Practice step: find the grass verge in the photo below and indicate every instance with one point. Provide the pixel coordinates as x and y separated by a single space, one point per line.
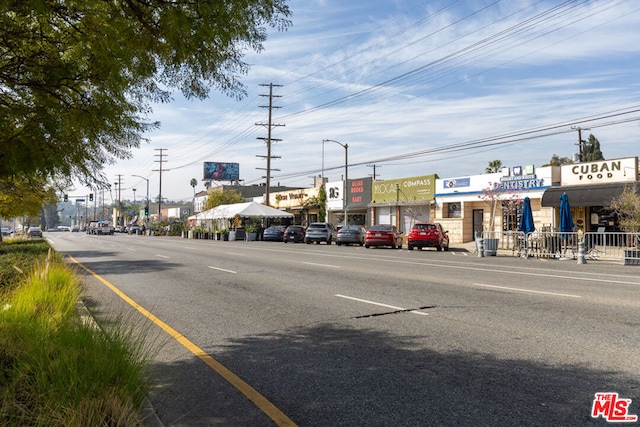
55 369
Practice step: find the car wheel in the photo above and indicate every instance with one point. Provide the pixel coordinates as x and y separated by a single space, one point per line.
366 246
285 241
410 247
439 248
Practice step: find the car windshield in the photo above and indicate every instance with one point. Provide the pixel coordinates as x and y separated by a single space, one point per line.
317 226
381 228
350 228
425 226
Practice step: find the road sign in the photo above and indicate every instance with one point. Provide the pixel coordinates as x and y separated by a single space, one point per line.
79 200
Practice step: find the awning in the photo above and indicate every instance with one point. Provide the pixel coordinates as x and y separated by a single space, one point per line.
584 195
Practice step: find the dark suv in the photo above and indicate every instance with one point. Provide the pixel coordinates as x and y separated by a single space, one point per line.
428 235
320 232
293 233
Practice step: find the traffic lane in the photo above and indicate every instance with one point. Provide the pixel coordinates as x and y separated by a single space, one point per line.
237 358
271 310
538 343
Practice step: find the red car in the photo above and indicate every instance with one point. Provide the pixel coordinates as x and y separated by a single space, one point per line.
383 235
428 235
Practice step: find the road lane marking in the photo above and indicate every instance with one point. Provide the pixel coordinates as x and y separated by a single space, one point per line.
249 392
527 290
162 256
222 269
381 304
131 249
321 265
236 254
492 268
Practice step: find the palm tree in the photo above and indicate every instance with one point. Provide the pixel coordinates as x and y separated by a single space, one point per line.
194 183
494 166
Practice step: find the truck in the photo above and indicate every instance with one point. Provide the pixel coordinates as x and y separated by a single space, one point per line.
100 228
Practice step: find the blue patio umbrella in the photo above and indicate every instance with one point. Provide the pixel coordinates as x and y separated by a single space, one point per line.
566 221
526 222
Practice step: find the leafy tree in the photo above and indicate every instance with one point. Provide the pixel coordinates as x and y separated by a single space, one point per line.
558 161
627 207
78 77
24 197
591 150
225 197
494 166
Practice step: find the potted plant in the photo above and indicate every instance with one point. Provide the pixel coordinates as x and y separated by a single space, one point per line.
252 231
627 208
224 233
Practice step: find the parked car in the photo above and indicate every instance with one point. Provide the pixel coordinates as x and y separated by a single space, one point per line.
383 235
275 233
294 233
428 235
75 229
6 231
320 232
34 232
351 234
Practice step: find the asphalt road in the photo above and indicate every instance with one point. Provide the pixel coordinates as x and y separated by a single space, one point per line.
264 333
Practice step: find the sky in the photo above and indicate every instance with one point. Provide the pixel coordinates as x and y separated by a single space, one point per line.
413 88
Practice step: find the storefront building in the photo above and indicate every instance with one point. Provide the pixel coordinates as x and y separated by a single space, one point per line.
466 206
402 202
358 198
591 187
303 203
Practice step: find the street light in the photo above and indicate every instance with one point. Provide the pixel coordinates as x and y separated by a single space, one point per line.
146 207
346 173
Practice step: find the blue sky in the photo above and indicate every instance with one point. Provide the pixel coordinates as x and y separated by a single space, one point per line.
414 87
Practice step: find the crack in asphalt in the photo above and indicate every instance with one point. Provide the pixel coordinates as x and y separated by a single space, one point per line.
426 307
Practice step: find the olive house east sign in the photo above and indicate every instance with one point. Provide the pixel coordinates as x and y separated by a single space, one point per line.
404 189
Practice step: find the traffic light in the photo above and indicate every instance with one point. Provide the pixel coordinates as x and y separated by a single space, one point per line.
146 210
91 197
66 197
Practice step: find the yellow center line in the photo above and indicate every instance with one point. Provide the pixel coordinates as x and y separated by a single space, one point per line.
249 392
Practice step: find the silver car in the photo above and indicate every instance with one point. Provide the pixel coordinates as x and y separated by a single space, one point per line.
320 232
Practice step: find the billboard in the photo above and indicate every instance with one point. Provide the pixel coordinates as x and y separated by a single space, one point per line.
404 189
216 171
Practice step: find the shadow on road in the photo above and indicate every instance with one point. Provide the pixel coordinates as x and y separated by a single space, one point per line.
335 375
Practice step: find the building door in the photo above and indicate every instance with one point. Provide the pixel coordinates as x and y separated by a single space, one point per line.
478 214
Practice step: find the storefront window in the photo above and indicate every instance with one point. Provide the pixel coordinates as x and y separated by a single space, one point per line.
454 210
511 213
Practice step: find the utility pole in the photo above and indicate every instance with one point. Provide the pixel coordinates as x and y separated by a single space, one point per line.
374 174
161 161
119 211
269 125
581 141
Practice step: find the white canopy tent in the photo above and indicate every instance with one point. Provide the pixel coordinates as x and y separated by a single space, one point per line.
221 214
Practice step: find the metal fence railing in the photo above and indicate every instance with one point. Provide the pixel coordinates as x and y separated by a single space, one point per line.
619 246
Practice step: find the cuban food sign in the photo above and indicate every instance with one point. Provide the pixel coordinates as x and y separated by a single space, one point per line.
601 172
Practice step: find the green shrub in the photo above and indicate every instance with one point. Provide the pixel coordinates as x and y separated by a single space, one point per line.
56 369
